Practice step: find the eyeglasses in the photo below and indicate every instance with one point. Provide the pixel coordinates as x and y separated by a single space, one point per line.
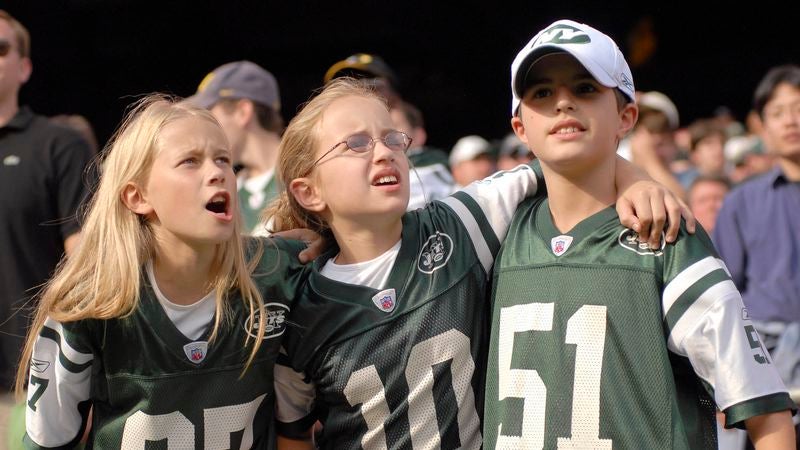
5 47
361 143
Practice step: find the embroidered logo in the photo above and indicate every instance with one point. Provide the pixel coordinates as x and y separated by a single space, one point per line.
562 34
276 321
629 240
745 314
560 244
196 351
385 300
39 366
11 160
435 253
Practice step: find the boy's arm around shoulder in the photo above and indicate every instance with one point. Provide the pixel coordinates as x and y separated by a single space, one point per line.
646 206
772 431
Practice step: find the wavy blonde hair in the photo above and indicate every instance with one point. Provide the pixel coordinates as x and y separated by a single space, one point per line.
102 279
297 153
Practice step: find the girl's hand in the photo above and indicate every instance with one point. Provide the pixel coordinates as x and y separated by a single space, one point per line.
315 243
646 206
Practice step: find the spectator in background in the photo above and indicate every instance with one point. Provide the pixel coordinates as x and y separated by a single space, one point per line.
369 67
746 158
42 185
471 159
651 144
512 152
430 177
244 98
705 198
757 230
80 124
706 153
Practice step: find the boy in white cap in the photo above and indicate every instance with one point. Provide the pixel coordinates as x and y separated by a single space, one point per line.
598 341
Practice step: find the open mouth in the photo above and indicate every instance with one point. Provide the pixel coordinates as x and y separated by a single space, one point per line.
386 180
219 204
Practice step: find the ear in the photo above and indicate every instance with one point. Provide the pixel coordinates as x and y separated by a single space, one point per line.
25 70
134 199
306 194
628 117
245 112
519 129
420 136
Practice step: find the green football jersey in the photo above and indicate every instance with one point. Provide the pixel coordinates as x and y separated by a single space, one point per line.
403 367
149 385
599 342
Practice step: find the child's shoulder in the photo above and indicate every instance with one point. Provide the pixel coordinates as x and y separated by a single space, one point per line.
272 250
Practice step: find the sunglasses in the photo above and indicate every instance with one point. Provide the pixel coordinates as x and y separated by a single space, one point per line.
5 47
361 143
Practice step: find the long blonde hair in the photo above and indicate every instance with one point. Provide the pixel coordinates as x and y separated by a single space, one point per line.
101 279
297 152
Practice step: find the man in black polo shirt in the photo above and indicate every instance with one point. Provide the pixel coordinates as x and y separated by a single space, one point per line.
42 184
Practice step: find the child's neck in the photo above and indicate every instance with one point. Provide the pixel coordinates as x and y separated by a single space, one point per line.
358 243
574 197
183 274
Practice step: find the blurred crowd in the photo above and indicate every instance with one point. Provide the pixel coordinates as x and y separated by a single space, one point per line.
46 173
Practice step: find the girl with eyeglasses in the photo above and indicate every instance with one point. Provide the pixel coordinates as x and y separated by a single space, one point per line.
389 334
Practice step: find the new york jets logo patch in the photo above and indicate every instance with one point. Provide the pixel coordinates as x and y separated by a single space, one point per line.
435 253
560 244
562 34
276 321
629 240
196 351
385 300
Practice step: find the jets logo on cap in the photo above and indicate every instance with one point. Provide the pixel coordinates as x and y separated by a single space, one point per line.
562 34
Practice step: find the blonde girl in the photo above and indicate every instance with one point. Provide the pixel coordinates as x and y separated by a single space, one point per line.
389 351
165 322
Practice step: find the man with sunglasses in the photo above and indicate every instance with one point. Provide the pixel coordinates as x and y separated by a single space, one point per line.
42 184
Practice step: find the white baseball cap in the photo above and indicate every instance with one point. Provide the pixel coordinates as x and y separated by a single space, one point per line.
594 50
468 148
660 102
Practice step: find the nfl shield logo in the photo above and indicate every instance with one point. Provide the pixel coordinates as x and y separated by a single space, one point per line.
196 351
385 300
560 244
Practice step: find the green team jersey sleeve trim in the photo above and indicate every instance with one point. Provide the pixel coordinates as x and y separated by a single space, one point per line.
59 384
707 322
487 206
737 414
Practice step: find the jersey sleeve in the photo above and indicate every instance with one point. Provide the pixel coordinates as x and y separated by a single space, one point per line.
708 324
486 207
279 273
294 399
59 384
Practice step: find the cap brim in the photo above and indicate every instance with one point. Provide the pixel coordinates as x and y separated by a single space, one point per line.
540 53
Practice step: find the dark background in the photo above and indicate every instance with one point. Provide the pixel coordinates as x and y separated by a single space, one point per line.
95 57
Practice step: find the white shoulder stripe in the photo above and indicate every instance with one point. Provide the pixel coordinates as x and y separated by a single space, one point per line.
686 279
71 354
475 235
691 317
499 195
